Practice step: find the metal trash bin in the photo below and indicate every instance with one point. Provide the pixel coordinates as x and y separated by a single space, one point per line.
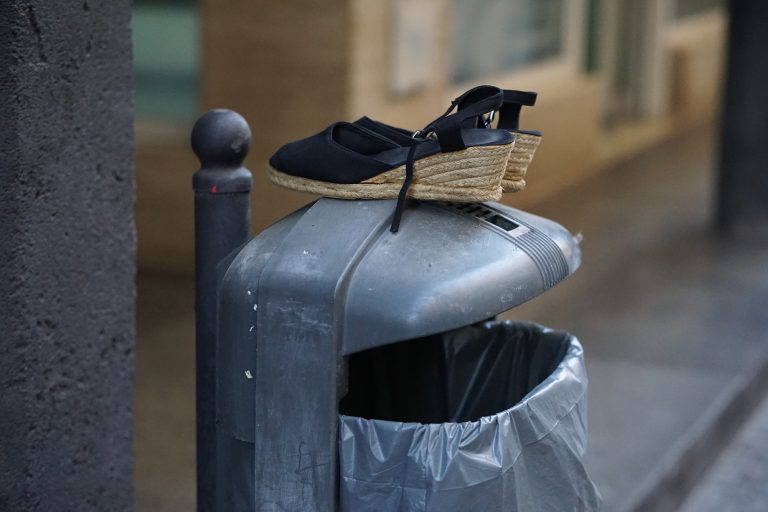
299 303
488 417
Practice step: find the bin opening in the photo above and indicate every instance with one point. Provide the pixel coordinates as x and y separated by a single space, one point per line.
460 375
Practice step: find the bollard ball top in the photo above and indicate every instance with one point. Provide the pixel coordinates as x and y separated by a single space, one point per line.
221 138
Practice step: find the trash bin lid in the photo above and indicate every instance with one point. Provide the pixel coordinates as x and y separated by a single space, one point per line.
451 264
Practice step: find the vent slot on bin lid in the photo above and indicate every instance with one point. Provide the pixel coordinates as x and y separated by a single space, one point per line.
485 213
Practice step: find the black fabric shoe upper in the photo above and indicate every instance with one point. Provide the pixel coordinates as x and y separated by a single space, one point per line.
339 154
398 135
347 153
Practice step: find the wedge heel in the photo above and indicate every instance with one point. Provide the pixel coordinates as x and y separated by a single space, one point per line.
472 174
519 160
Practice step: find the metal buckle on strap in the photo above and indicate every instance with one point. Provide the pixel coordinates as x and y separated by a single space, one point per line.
424 133
487 120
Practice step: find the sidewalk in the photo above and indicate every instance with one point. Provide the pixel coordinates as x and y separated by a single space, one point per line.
739 480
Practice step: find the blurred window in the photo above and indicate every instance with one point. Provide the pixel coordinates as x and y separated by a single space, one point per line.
166 57
593 33
524 32
685 8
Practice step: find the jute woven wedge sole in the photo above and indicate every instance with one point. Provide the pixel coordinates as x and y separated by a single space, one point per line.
519 159
473 174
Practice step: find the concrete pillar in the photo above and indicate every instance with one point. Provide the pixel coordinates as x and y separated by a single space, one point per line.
743 180
66 255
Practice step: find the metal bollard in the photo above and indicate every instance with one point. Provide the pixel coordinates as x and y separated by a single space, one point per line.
221 140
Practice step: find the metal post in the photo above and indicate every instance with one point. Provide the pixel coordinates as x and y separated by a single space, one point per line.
221 140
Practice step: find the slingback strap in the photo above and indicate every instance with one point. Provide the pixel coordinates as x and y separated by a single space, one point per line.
509 114
474 103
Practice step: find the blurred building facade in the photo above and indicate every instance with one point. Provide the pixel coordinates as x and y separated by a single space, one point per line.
613 76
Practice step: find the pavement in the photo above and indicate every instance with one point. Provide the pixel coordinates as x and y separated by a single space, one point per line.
738 482
671 315
164 403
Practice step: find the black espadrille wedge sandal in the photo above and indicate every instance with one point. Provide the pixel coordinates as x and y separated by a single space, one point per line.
444 161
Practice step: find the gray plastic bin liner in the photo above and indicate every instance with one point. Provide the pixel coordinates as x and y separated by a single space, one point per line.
490 417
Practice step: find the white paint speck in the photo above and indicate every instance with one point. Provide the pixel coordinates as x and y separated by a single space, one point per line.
248 374
251 329
255 307
249 292
305 252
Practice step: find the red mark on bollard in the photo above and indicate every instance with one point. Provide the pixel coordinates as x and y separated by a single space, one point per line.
213 189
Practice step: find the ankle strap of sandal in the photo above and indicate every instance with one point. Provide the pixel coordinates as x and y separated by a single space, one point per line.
509 114
472 104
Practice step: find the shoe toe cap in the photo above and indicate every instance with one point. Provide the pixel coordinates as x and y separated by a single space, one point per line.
296 158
